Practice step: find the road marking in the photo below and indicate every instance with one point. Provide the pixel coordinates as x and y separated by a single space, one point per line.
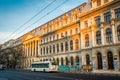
3 79
49 76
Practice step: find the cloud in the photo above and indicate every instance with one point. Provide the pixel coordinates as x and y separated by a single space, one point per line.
4 36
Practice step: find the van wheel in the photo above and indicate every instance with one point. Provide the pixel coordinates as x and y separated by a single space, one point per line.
34 70
44 70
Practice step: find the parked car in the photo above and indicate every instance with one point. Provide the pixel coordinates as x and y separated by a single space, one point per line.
2 67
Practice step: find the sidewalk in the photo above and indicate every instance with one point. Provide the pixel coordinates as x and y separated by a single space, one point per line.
106 72
98 72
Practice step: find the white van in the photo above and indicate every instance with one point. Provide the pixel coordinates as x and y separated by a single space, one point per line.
2 67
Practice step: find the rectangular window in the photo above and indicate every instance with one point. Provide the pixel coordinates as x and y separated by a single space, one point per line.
117 13
97 20
107 16
98 2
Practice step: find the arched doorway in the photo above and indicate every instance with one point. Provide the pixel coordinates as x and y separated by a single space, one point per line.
110 60
99 61
87 59
71 60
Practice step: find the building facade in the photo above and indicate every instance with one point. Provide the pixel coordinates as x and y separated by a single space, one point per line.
86 35
30 49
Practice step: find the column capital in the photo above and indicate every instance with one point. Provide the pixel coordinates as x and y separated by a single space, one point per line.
102 26
112 22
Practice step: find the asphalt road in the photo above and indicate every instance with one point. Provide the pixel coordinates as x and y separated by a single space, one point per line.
27 75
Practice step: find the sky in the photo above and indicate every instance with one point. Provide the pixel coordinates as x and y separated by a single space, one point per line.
14 13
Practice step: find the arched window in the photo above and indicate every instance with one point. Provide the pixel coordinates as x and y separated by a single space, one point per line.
71 45
86 40
61 47
108 35
118 32
110 60
66 46
99 60
76 44
98 37
87 59
71 60
67 62
61 61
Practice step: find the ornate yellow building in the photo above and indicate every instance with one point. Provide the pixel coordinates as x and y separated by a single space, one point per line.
31 49
86 35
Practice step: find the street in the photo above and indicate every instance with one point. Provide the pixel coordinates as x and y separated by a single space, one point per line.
28 75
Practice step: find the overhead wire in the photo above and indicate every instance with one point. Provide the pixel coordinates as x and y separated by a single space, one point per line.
43 16
30 19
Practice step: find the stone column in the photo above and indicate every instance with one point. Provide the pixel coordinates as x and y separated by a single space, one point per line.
35 47
102 34
92 37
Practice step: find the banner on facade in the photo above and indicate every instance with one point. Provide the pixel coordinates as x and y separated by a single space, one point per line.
87 67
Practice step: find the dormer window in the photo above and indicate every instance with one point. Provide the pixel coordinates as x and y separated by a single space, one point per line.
98 2
105 1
